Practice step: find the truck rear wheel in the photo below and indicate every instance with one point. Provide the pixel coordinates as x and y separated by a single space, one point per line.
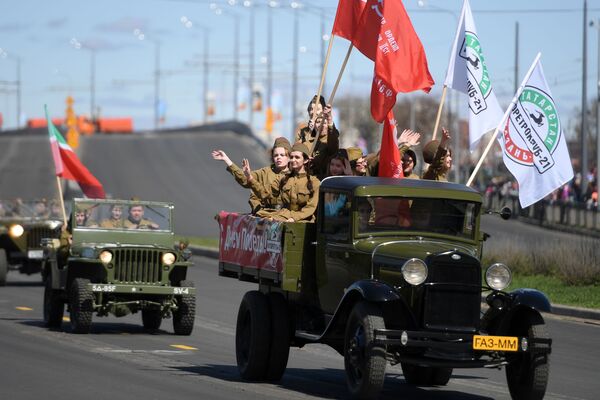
3 267
151 319
527 372
253 336
183 318
280 337
54 307
81 306
364 359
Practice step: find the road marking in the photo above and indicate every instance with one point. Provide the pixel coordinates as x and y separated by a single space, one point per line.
24 308
132 351
183 347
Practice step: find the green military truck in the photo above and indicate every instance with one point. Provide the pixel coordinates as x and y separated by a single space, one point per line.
23 225
118 257
390 272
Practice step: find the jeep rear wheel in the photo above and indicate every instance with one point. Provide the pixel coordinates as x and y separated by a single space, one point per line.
527 372
364 359
54 307
184 316
81 306
3 267
280 337
151 319
252 336
426 376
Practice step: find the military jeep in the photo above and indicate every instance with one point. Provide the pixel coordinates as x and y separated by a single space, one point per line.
22 226
390 272
118 257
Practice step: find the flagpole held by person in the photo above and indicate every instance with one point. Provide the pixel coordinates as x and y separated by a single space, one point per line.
504 118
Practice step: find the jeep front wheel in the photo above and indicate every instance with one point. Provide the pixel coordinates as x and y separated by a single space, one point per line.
364 359
527 372
183 317
252 336
3 267
81 306
54 307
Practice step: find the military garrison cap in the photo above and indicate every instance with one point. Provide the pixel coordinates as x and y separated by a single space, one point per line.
301 147
282 142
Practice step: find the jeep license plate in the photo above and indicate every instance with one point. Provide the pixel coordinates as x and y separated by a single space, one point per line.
35 254
498 343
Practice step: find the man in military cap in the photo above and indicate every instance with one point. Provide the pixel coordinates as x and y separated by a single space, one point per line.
136 219
439 157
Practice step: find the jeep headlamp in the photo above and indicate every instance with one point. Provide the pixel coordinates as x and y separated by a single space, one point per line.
168 258
16 231
498 276
106 257
414 271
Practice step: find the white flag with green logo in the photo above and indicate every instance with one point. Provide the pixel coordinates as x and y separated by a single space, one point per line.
468 73
534 147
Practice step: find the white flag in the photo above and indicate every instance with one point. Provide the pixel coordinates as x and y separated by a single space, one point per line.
468 73
534 147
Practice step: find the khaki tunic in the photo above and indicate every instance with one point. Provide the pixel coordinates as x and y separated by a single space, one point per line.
435 171
113 223
132 225
324 148
297 201
265 176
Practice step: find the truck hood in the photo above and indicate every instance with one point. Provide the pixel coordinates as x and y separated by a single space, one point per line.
412 247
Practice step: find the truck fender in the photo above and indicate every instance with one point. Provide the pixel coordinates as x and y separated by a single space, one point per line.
531 298
374 291
519 302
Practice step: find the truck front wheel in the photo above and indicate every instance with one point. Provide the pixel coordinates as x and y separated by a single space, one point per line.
252 336
81 306
364 359
527 372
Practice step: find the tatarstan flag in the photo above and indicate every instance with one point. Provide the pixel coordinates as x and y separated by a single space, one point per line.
68 165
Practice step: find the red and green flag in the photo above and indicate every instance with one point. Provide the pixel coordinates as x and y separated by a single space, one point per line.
68 165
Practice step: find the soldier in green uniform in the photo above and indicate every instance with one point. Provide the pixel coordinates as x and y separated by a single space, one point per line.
320 136
280 154
136 219
298 191
116 218
439 157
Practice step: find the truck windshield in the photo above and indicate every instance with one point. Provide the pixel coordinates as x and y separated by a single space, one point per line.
444 216
122 216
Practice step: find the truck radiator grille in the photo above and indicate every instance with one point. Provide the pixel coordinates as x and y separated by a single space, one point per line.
453 300
35 236
137 265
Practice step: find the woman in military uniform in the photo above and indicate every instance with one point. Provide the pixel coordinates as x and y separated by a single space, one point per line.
280 154
439 157
116 218
298 191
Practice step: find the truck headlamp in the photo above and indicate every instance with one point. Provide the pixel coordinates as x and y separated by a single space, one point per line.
168 258
498 276
106 257
414 271
16 231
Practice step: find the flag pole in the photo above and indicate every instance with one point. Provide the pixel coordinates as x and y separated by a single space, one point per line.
339 78
506 113
439 113
62 201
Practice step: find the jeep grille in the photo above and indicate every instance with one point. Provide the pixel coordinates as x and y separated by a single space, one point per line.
35 236
453 300
137 265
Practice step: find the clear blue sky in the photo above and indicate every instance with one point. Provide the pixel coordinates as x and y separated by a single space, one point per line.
42 33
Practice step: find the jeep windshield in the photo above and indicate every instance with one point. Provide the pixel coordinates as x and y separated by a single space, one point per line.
30 209
442 216
122 216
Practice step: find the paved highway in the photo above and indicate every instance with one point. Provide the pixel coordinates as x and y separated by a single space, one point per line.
118 360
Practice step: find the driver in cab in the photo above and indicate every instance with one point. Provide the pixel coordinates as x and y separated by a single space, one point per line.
136 219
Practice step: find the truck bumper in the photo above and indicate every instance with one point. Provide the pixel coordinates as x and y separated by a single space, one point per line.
141 289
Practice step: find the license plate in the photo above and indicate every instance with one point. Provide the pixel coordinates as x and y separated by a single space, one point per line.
35 254
498 343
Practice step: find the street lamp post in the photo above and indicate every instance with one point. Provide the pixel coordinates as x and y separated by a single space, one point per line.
295 67
156 84
206 73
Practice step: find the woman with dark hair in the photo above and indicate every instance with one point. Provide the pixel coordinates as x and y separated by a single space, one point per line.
280 155
439 157
297 192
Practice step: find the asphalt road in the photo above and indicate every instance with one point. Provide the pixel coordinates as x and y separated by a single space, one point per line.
118 360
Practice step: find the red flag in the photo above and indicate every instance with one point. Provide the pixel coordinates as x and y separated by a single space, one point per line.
347 18
385 35
68 166
390 165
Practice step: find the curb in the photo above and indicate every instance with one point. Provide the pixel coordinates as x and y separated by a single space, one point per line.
557 309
